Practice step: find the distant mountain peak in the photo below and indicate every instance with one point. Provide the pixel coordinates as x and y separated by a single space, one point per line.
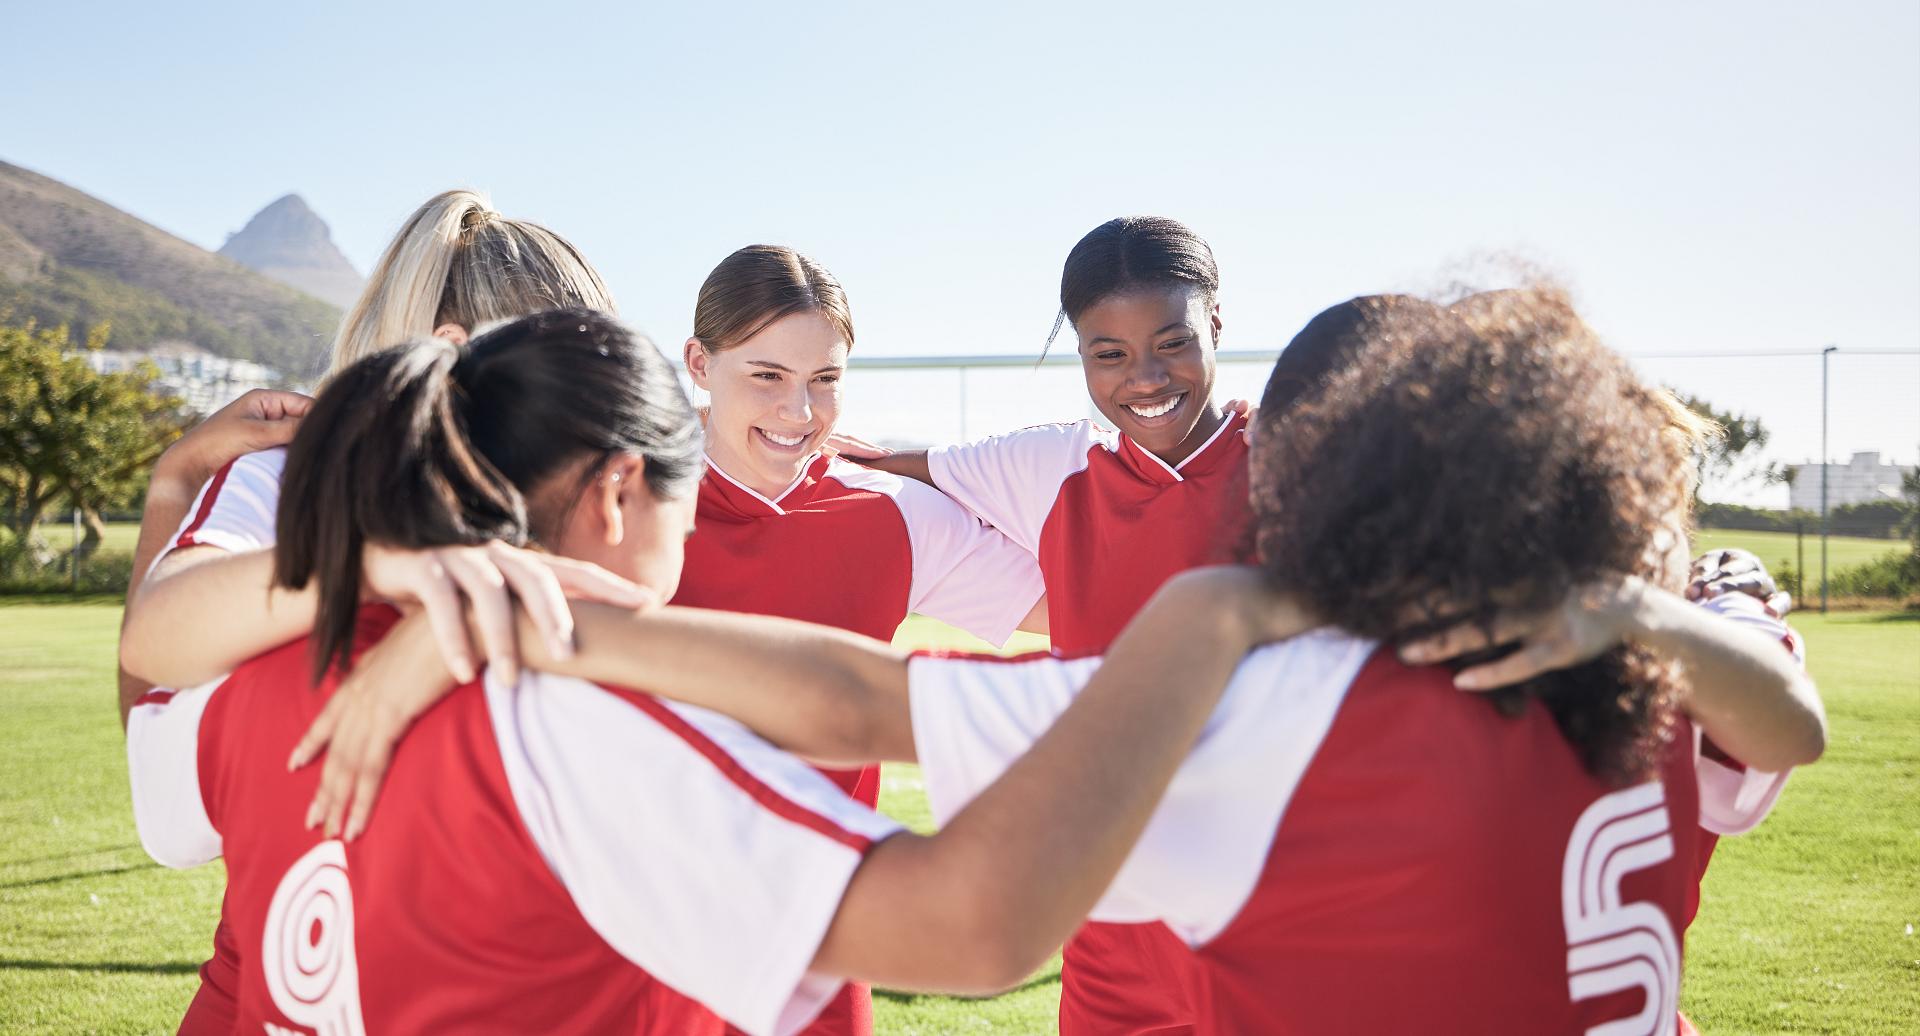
290 243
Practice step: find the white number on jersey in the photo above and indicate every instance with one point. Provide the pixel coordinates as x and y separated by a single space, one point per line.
1614 946
308 948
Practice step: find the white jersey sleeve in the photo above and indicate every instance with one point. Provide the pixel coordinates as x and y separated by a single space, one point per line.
237 508
1011 481
696 850
1734 797
163 764
1201 855
965 573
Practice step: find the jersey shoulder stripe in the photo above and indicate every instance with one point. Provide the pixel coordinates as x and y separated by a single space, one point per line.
729 767
207 499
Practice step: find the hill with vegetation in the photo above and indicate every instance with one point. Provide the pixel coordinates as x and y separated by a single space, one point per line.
67 257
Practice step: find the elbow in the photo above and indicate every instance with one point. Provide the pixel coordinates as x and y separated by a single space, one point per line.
997 945
1813 736
1810 736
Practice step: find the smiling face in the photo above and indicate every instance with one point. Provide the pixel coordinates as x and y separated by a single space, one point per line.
1148 358
775 398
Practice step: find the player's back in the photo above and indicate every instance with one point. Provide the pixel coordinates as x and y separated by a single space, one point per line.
1443 868
442 917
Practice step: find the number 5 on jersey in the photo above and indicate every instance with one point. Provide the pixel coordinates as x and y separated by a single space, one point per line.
1614 946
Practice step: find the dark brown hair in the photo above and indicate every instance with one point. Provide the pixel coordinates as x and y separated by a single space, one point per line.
760 284
1329 343
1129 254
1458 466
433 445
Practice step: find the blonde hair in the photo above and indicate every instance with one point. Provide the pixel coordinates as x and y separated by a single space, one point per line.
457 261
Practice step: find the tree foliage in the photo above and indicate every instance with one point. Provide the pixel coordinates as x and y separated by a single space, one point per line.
1741 438
70 435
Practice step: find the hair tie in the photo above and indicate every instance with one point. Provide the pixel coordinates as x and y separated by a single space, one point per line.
477 218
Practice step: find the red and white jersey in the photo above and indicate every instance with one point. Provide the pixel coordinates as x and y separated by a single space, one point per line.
237 508
1355 846
548 856
1108 521
855 548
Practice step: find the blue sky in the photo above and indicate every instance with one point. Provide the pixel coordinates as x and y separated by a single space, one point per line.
1708 177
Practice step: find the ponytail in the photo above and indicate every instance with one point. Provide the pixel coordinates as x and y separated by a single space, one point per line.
433 445
457 261
384 457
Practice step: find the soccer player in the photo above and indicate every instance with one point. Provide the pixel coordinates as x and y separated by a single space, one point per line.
455 265
785 528
555 856
1353 845
1111 511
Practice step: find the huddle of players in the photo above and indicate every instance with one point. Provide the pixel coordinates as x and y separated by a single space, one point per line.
612 828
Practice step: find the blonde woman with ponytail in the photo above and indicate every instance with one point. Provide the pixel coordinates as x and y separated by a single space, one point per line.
455 266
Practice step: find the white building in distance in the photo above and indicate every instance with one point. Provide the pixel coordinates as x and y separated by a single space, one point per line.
203 381
1861 480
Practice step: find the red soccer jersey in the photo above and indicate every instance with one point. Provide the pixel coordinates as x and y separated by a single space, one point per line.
1355 846
855 548
549 856
858 549
1109 522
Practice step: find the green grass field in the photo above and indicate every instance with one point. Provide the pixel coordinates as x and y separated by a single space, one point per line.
1774 548
1805 928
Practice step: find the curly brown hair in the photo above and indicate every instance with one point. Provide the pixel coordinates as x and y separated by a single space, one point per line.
1467 463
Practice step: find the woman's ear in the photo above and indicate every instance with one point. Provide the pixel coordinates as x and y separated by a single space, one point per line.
697 362
1215 317
452 332
621 484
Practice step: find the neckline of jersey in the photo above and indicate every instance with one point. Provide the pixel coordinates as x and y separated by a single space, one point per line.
1160 471
815 467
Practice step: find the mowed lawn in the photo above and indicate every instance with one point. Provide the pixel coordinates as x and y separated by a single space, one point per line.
1779 549
1805 926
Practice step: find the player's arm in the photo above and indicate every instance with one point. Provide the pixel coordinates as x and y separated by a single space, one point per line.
258 420
1744 691
827 695
906 464
237 612
1024 862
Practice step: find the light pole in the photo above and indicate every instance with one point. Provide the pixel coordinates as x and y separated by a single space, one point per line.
1824 353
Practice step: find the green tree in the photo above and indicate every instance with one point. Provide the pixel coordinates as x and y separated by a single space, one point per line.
1741 438
71 435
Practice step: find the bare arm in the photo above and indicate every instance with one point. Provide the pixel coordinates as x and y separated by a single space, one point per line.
258 420
907 464
1022 864
169 494
226 603
1037 620
1743 689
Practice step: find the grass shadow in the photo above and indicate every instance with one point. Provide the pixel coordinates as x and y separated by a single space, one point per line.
105 967
104 872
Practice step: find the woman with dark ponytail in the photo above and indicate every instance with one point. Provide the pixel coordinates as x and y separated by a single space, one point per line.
556 856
